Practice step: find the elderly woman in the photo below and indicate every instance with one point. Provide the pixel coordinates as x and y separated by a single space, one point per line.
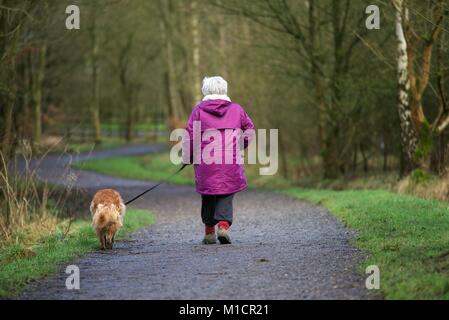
218 181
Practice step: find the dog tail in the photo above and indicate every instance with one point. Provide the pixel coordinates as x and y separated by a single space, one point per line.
102 218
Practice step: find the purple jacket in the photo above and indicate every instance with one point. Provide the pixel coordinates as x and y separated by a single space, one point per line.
219 178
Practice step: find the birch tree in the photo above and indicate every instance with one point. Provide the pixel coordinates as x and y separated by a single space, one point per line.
408 131
415 52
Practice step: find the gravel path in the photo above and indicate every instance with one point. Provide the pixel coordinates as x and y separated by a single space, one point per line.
282 248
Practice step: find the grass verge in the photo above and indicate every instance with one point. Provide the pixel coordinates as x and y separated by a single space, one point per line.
20 264
407 237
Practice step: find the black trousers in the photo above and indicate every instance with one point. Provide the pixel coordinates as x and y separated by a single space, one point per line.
216 208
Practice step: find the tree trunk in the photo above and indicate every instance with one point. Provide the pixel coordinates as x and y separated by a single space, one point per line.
354 159
408 130
7 131
223 47
438 157
196 81
95 103
364 157
439 152
385 157
129 126
37 79
325 133
173 99
330 155
174 103
8 97
129 117
283 155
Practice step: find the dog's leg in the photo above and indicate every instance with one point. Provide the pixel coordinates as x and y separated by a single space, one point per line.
103 243
110 239
101 239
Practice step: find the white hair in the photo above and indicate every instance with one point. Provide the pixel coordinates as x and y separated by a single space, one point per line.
214 86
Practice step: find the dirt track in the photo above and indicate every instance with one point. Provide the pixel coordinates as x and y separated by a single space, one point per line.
282 248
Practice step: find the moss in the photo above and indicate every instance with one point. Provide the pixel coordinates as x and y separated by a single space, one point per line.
420 176
425 142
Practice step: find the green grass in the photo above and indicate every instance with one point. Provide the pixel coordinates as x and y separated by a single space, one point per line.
19 264
138 126
151 168
90 146
78 147
157 167
407 237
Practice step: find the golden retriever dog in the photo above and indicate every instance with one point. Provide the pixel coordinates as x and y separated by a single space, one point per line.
108 210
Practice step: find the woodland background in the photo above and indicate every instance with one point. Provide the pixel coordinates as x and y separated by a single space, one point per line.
357 109
349 102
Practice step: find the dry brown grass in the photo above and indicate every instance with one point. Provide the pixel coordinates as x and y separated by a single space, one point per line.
431 188
26 213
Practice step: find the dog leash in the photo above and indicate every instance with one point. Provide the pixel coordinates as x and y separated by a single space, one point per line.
157 185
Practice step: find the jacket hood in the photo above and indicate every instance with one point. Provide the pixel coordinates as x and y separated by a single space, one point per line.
215 107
